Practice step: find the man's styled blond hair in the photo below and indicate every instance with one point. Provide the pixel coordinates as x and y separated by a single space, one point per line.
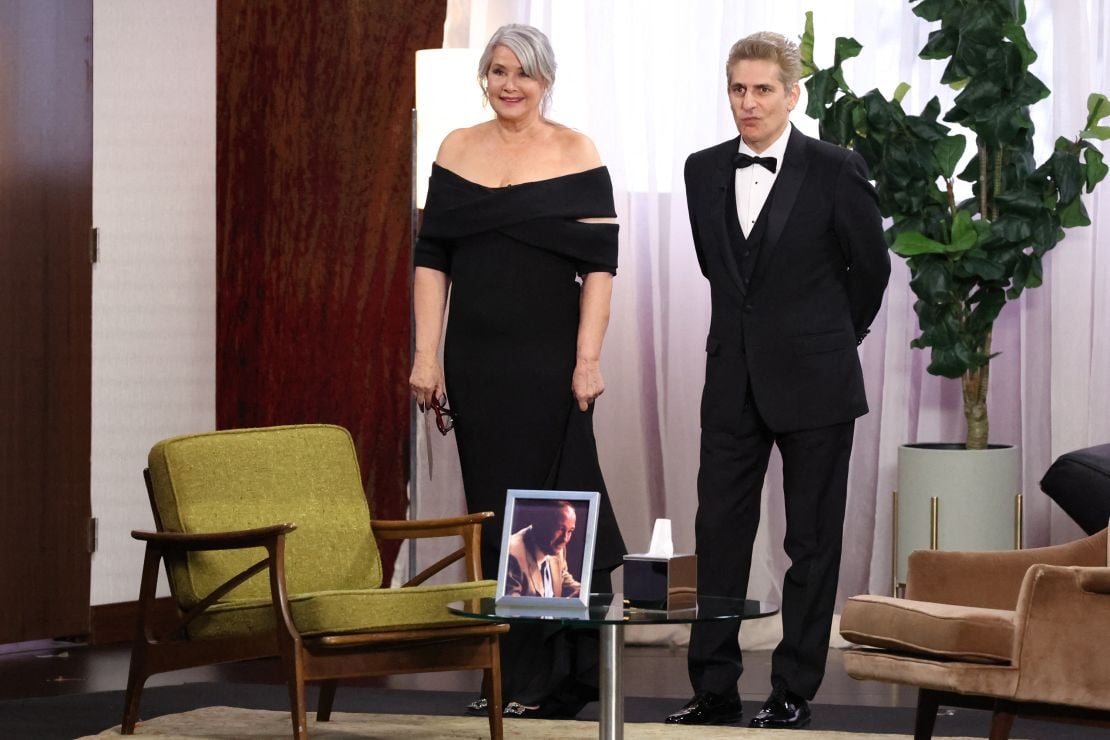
771 47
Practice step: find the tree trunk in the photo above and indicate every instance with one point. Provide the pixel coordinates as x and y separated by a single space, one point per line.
975 383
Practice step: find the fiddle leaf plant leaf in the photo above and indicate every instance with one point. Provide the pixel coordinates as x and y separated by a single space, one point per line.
931 10
821 90
1074 214
805 48
947 363
911 243
948 152
964 234
1068 175
1029 272
941 44
1094 168
846 48
1016 33
1098 107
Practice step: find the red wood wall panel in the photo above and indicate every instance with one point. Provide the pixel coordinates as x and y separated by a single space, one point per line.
313 221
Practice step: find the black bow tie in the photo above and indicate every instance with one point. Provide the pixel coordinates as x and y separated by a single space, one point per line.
741 160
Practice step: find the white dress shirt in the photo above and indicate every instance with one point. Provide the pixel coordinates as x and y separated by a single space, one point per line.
753 184
548 586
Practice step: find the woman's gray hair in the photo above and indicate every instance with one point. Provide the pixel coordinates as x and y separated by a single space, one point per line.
532 49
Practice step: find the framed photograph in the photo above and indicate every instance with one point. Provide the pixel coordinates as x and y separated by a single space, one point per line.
547 548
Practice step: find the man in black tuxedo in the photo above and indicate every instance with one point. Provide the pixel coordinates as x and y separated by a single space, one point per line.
788 232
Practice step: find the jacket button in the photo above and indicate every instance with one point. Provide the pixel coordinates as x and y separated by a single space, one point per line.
748 308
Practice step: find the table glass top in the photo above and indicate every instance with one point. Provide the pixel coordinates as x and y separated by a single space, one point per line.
612 609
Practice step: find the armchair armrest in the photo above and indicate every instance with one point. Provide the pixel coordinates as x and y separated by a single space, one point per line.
991 580
403 529
232 540
1095 580
170 545
468 527
1060 649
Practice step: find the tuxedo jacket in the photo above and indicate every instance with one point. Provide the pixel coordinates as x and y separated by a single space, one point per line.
788 328
523 576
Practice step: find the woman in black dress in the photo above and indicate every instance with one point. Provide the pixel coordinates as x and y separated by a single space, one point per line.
519 223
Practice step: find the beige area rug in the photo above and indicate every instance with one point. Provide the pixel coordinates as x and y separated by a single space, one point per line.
756 634
225 723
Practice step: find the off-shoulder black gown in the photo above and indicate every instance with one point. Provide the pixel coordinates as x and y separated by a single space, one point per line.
513 255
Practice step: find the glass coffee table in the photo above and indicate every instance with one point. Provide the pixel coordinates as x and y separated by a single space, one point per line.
609 614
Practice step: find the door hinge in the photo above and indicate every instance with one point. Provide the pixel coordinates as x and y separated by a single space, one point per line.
94 245
94 526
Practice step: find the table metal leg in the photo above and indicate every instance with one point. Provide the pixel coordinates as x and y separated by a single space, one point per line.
610 673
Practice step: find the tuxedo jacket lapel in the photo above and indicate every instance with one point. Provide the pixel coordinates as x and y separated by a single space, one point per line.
725 172
783 197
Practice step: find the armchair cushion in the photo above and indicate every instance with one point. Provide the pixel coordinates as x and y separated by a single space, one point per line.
947 631
340 612
246 478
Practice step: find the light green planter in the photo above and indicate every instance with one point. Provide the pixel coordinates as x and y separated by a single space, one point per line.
976 500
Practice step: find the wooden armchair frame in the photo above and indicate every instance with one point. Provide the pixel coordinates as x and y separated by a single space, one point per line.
328 658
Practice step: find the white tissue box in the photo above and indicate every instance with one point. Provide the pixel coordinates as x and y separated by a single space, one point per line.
661 582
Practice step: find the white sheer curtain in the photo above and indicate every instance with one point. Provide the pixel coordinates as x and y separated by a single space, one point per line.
645 79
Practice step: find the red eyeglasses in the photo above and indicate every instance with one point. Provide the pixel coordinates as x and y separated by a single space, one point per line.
445 417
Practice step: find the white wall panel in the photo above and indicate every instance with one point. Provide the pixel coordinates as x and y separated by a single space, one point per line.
154 287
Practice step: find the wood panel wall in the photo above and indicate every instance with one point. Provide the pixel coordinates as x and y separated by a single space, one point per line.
45 316
313 221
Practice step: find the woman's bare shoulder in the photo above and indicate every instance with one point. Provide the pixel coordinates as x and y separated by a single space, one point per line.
457 144
578 150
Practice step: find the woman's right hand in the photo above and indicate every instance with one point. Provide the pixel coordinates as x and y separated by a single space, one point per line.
426 380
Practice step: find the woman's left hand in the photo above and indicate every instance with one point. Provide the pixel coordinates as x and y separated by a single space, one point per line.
587 383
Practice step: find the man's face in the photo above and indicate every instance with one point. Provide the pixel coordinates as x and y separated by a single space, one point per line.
558 532
760 103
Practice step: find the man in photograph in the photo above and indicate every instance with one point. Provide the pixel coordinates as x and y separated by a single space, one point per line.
537 563
788 233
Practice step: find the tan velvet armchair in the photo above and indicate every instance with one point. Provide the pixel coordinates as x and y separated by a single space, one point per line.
1019 633
270 550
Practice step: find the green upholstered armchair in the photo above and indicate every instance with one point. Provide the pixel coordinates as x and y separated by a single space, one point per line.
1021 633
270 551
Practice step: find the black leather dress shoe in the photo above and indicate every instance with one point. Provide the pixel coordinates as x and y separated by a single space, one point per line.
708 708
783 710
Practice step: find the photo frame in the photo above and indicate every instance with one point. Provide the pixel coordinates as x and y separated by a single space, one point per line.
539 556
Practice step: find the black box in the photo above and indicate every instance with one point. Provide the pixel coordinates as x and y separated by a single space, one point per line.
658 582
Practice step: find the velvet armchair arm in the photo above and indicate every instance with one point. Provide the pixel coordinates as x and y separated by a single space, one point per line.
1060 647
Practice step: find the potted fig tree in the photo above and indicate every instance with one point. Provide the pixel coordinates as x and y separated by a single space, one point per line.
966 257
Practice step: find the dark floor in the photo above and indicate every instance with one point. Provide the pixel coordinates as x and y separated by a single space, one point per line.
49 668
